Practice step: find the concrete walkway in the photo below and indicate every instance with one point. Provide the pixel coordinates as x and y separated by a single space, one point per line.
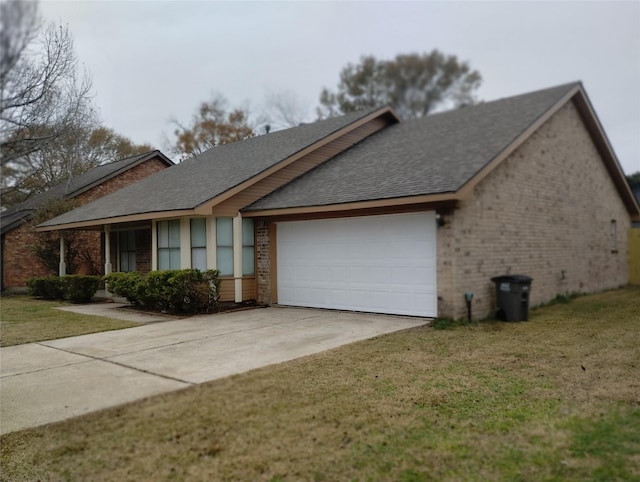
53 380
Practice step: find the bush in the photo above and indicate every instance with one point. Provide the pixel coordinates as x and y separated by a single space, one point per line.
127 285
155 291
74 288
48 288
79 288
188 290
193 291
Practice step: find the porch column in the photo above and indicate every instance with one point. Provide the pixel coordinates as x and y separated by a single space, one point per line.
62 267
237 257
107 249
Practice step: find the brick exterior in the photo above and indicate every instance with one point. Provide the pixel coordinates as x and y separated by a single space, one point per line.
263 265
143 251
545 212
18 261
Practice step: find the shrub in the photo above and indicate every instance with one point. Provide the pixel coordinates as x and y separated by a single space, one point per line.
74 288
79 288
194 291
156 292
48 287
188 290
127 285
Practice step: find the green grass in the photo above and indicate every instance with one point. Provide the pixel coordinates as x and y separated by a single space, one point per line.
26 320
553 399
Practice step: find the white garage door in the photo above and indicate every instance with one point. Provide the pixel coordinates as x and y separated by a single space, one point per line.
380 264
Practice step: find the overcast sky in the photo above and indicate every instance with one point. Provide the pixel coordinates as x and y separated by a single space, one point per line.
157 60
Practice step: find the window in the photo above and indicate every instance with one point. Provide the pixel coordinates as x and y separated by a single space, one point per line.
613 237
127 249
248 258
199 244
169 244
224 245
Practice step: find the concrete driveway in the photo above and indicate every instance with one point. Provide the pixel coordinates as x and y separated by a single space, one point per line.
53 380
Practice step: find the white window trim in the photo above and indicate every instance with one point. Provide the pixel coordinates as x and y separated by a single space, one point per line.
237 257
154 243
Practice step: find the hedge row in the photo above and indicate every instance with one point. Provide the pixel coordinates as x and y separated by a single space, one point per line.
74 288
187 290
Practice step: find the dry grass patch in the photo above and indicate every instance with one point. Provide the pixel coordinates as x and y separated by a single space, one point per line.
556 398
25 320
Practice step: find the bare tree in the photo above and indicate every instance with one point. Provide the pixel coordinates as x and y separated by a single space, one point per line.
212 125
284 109
43 94
76 151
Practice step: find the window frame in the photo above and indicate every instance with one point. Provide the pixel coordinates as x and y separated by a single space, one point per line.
223 246
248 248
201 247
171 249
127 250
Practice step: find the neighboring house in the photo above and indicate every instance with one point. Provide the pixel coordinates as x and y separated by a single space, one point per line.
19 262
636 193
364 212
634 246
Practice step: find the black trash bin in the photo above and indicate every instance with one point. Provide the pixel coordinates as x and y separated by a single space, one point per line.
512 297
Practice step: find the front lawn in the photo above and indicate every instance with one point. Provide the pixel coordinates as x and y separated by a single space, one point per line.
26 320
556 398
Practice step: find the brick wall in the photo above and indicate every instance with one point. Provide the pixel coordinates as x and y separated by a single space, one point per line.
143 251
20 264
118 182
263 271
546 212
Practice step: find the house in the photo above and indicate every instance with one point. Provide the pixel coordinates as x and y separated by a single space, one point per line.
364 212
19 262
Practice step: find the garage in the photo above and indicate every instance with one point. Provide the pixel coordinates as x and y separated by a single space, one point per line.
380 264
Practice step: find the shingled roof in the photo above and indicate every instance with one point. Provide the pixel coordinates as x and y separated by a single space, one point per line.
439 155
432 155
20 213
207 175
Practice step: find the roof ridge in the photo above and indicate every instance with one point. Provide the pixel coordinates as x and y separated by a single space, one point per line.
91 177
561 87
357 115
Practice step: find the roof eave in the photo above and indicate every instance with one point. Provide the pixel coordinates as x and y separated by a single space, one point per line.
604 147
580 99
94 223
466 190
422 201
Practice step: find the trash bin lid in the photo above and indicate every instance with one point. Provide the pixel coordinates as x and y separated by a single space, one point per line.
512 278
